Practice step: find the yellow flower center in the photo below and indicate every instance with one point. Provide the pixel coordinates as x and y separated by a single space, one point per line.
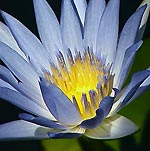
84 81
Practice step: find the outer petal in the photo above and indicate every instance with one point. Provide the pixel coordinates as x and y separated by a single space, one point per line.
41 121
22 70
28 42
26 88
144 19
125 95
108 31
6 85
23 102
22 130
7 38
59 105
81 8
101 113
7 76
48 27
94 13
126 64
71 28
127 38
143 87
113 127
17 64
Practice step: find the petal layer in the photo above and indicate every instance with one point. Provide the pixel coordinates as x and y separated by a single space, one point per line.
108 32
71 28
48 27
28 43
93 15
59 105
101 113
22 130
113 127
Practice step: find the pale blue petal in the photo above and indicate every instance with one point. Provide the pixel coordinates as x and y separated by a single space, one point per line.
23 102
41 121
127 94
126 64
93 15
22 130
17 64
26 88
71 28
113 127
108 32
81 6
101 113
59 105
7 76
7 38
143 87
137 79
48 27
144 19
28 42
23 71
127 38
6 85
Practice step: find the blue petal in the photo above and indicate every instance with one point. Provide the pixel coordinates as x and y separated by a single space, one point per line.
25 88
23 102
127 38
127 62
94 13
136 81
48 27
144 19
59 105
113 127
63 135
7 76
23 71
143 87
41 121
28 42
22 130
6 85
108 31
7 38
71 28
81 8
101 113
17 64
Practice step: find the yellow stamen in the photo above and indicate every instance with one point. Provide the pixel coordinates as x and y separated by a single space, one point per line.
77 80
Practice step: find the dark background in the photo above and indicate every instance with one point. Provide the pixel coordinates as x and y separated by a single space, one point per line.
23 11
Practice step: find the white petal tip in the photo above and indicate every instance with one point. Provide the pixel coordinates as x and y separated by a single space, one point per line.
113 127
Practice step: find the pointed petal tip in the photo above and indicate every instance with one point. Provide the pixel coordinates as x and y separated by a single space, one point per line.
145 3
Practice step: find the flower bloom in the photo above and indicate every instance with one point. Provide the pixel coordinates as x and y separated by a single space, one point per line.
70 83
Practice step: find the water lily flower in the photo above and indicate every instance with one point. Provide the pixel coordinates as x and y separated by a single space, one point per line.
71 82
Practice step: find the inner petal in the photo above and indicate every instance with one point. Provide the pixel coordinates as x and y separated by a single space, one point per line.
85 81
